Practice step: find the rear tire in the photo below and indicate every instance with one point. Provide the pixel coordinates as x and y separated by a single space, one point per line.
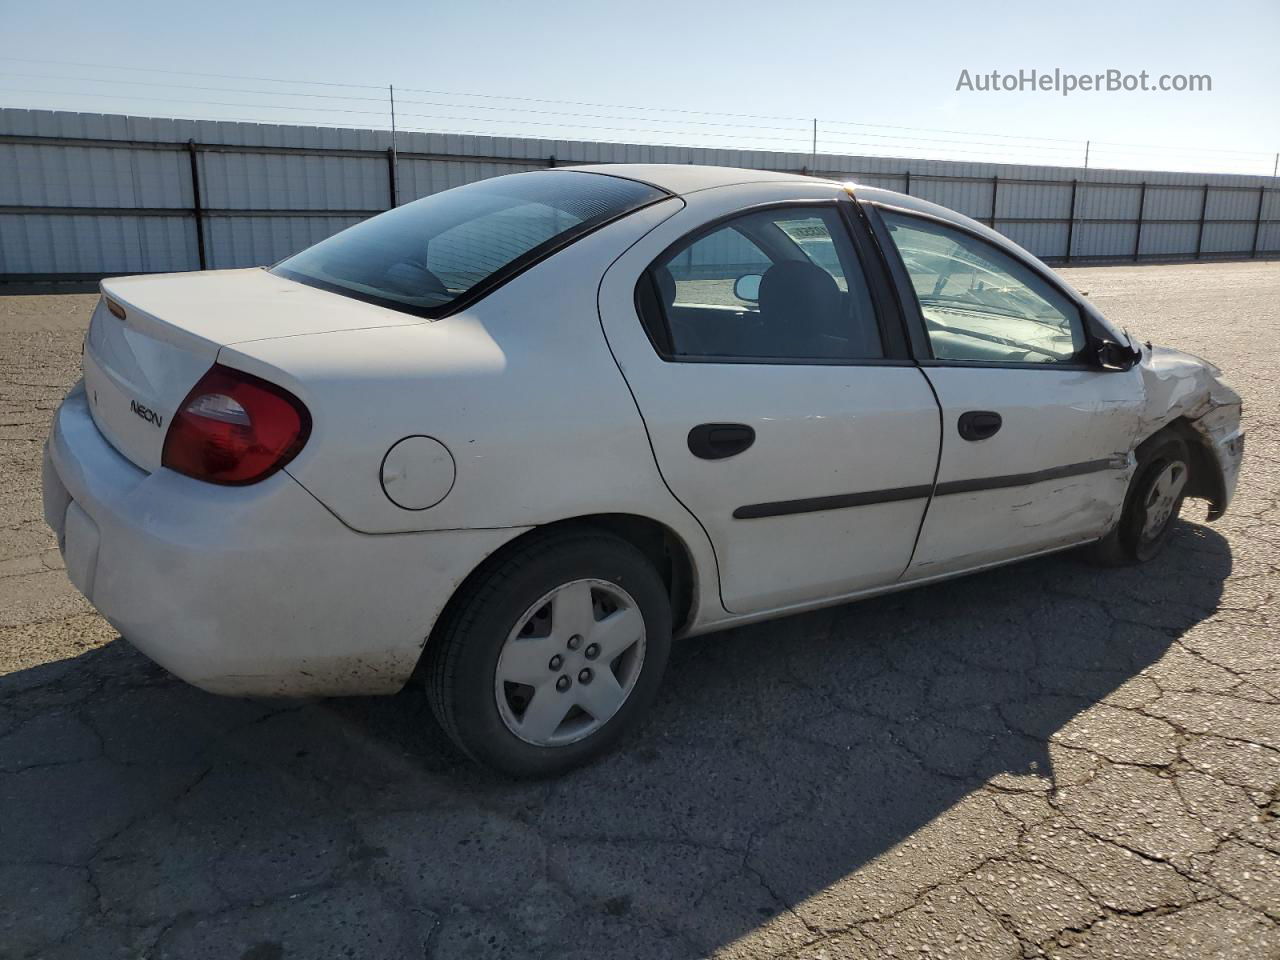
550 653
1151 506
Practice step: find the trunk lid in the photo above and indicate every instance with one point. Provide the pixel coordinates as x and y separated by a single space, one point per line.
137 371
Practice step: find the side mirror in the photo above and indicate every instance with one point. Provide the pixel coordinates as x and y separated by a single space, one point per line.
1115 356
748 288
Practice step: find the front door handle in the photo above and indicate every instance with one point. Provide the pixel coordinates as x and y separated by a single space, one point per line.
980 424
716 441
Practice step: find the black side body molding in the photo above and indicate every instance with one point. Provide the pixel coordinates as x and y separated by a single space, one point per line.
1023 479
781 508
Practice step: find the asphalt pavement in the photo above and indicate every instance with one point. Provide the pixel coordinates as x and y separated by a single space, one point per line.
1045 760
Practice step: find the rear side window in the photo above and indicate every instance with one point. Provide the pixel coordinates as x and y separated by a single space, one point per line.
783 284
424 256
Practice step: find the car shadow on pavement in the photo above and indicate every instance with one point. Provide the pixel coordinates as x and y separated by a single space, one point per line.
795 778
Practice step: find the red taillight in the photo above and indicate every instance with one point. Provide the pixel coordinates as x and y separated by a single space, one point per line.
234 429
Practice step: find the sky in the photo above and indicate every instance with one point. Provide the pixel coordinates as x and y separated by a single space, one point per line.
880 78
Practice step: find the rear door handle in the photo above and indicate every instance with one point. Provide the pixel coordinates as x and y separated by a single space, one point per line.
716 441
980 424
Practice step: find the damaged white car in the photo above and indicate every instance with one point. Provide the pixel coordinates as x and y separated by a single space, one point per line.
514 437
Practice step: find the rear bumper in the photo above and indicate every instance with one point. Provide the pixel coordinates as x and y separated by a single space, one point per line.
253 591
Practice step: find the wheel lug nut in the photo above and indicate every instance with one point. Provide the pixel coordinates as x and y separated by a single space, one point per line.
556 662
592 651
575 642
584 675
563 684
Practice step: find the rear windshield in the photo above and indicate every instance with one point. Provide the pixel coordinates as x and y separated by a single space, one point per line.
426 255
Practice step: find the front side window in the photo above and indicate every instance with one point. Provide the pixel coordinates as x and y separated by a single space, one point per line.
981 304
423 256
780 284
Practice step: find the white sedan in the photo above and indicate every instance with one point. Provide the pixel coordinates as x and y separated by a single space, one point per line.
514 437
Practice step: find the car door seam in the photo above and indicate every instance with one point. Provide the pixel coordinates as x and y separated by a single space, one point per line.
644 424
937 466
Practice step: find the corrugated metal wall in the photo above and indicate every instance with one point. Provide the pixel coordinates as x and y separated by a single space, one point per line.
92 194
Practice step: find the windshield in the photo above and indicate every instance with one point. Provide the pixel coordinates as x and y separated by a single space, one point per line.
426 255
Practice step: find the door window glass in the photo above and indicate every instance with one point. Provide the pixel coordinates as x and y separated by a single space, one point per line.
979 303
778 284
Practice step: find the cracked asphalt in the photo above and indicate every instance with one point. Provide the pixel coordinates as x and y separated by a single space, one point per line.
1046 760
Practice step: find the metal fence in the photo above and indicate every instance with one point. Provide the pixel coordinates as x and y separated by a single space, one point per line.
88 195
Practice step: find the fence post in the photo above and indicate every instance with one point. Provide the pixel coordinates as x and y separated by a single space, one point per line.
995 190
907 188
551 160
1142 204
1204 205
1071 218
392 158
391 177
197 210
1257 221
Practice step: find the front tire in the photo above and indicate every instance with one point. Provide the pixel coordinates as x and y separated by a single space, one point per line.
1151 505
550 653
